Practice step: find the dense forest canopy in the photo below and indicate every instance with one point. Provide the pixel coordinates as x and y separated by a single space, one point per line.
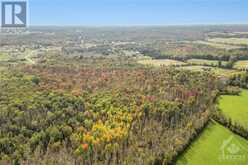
103 111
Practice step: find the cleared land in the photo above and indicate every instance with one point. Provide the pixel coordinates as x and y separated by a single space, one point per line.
206 62
158 63
231 41
236 107
218 45
241 65
3 57
20 57
217 146
215 70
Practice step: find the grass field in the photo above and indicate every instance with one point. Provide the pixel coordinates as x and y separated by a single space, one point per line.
215 70
231 41
205 62
236 107
218 45
216 146
241 65
163 62
3 57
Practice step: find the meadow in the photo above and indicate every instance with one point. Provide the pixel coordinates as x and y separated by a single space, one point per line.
242 65
159 63
235 107
206 62
218 45
3 57
231 41
215 70
198 65
207 149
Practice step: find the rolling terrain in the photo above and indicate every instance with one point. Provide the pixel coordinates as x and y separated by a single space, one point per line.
131 95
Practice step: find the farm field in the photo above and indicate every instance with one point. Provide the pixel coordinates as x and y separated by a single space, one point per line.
158 63
232 41
235 107
218 45
196 68
205 62
3 57
241 64
215 70
210 146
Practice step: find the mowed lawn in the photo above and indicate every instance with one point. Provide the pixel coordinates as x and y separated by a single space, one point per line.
207 149
236 107
163 62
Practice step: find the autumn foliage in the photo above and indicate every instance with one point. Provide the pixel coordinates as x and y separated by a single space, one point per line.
103 115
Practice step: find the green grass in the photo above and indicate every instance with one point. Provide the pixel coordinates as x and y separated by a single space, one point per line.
206 150
231 41
241 65
205 62
236 107
218 45
159 63
3 57
214 70
225 72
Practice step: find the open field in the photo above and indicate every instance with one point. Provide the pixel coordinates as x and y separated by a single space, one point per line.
231 41
210 146
241 65
215 70
205 62
235 107
20 57
218 45
3 57
158 63
225 72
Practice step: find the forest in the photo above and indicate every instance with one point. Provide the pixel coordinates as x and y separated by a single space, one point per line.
120 96
101 115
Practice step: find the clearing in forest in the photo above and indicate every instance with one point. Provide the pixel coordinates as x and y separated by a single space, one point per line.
163 62
206 62
216 145
241 65
235 107
215 70
231 41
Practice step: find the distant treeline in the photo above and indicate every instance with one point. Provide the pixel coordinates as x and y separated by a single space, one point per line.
230 55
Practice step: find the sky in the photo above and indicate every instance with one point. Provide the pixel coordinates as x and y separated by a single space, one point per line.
137 12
